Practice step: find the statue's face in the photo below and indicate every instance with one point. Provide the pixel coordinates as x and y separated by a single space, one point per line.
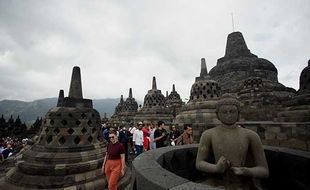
228 114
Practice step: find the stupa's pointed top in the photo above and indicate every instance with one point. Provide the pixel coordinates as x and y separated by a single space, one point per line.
236 46
61 94
76 84
167 94
61 97
154 86
204 75
122 98
130 93
105 115
173 88
204 70
309 63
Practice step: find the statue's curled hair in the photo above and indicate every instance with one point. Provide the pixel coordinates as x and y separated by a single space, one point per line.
226 99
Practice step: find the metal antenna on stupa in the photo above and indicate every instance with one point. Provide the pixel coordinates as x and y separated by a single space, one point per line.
232 22
76 84
61 97
154 86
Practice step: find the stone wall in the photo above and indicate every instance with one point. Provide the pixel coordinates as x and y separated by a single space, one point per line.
282 134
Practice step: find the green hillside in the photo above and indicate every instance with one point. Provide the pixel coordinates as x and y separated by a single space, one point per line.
29 111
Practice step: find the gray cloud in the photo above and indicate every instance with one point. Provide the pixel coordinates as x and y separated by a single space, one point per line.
122 44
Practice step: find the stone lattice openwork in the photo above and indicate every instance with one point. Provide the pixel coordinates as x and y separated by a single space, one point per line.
154 108
125 110
204 88
68 153
154 97
120 106
174 101
200 110
239 64
253 79
253 82
130 105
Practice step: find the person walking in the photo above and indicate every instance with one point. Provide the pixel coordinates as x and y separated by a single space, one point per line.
146 138
114 162
138 139
124 139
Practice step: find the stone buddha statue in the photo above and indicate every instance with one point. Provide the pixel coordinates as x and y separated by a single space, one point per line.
239 158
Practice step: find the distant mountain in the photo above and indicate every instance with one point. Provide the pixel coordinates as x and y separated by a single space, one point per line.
29 111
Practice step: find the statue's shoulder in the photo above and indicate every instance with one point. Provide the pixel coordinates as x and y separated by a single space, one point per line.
209 132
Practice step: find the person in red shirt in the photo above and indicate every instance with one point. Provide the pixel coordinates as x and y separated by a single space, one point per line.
145 131
114 162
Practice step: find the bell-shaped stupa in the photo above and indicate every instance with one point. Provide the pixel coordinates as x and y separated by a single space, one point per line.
125 111
201 107
174 101
252 79
68 153
154 107
239 63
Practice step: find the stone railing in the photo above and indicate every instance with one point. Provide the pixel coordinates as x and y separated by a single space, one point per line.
174 168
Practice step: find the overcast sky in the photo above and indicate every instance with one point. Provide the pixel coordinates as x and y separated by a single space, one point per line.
120 44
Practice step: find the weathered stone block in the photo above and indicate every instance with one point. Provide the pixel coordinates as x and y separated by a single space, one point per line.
281 136
294 143
270 142
301 130
270 135
290 125
273 129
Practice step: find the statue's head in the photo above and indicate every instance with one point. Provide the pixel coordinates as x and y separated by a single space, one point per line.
228 110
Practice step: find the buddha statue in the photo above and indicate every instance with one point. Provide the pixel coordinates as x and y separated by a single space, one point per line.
239 158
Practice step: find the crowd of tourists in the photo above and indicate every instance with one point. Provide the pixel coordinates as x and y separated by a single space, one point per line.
10 146
135 140
147 136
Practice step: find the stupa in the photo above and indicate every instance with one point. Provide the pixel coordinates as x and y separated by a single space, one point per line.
115 120
201 107
68 154
125 110
154 107
174 101
254 80
298 108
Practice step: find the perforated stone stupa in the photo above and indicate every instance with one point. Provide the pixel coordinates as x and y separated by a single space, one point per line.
174 101
200 110
68 153
115 120
125 110
154 107
253 79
